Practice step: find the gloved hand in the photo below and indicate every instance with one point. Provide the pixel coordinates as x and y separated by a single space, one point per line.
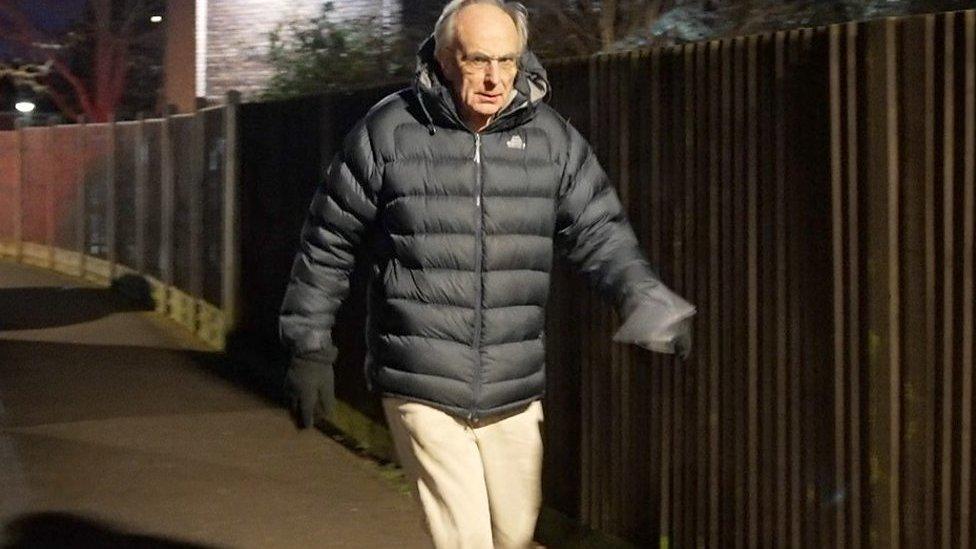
659 320
310 385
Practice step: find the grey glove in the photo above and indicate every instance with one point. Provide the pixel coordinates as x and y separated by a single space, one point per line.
658 320
310 385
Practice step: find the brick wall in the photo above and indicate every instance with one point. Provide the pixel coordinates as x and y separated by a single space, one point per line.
237 37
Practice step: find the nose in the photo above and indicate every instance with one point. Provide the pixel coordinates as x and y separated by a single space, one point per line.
492 73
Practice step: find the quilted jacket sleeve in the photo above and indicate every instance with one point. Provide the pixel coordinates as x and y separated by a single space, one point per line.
343 207
594 233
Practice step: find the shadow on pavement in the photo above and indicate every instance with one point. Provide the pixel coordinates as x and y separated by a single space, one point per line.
47 382
49 307
68 530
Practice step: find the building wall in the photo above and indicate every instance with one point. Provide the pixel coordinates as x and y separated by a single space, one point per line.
179 67
237 37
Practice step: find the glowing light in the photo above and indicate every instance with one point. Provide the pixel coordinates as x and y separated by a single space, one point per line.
156 19
25 106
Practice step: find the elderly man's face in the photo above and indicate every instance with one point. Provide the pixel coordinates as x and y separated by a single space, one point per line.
482 63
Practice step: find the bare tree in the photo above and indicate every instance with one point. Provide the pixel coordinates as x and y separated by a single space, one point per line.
85 71
583 27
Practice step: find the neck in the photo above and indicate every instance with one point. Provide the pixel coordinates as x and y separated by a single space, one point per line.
477 122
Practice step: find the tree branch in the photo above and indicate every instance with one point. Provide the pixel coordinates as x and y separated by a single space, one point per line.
574 30
608 20
81 90
120 65
648 13
62 103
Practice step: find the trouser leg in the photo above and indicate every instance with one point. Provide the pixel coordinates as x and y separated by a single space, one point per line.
511 453
439 453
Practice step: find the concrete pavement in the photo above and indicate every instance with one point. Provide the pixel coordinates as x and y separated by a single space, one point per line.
119 430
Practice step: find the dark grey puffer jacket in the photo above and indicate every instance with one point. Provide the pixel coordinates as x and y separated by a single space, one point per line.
462 227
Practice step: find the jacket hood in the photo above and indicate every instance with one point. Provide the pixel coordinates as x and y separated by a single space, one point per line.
434 92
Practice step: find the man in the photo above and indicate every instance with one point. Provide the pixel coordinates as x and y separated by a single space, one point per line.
462 186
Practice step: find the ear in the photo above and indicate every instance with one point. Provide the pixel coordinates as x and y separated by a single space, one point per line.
447 64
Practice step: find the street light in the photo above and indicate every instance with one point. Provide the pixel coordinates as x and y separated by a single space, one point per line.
25 106
156 19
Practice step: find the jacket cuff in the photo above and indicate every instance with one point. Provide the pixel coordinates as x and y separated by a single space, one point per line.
325 355
310 343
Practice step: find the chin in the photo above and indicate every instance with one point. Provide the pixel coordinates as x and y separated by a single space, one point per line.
486 110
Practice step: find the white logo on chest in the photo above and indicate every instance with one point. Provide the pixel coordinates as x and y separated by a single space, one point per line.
515 142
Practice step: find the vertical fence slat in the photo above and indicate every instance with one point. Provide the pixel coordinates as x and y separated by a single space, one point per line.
196 160
615 168
738 312
231 228
684 281
629 194
603 407
698 267
49 198
854 284
81 211
837 210
659 178
782 447
948 381
683 518
968 181
792 295
712 309
586 427
931 281
882 276
752 298
167 203
649 450
19 192
139 194
20 189
918 478
111 222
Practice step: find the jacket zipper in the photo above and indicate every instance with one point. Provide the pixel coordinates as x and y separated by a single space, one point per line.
479 245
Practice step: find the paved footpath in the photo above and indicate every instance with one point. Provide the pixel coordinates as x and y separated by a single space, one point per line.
116 430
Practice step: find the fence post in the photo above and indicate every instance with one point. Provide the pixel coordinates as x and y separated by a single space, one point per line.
111 228
231 261
49 201
19 192
139 194
167 199
81 196
196 166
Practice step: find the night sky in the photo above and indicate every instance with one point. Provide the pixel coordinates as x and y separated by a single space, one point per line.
52 16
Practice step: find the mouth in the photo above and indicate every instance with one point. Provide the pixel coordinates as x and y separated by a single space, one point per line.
490 97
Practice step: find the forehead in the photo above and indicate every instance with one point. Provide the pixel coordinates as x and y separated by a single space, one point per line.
486 28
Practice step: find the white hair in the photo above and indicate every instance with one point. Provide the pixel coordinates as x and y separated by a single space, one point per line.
445 30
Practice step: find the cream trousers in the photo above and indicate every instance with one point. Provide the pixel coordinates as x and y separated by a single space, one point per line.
479 485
